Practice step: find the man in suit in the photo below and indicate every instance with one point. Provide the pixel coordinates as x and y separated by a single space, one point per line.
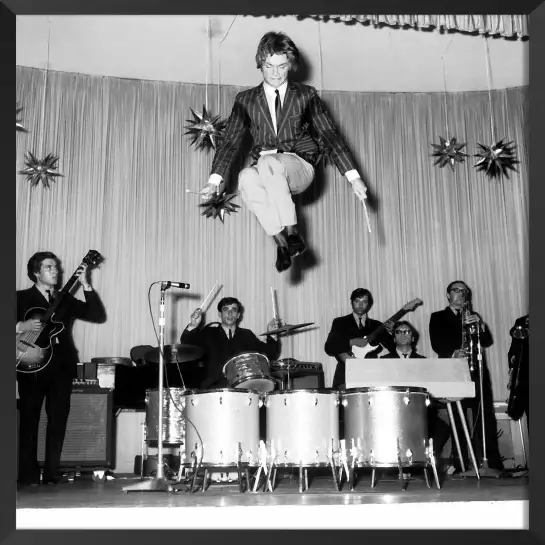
352 330
222 341
54 382
405 339
290 126
448 328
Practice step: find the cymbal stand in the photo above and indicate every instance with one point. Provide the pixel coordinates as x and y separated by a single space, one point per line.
157 483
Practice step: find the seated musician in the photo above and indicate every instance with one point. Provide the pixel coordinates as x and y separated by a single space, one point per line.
406 339
224 340
352 330
449 336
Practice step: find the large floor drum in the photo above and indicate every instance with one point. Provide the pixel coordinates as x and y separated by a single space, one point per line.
222 427
302 427
384 427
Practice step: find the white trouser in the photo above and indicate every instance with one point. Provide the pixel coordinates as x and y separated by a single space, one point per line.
266 189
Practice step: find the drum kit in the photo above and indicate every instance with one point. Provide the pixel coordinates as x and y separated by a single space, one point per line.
251 427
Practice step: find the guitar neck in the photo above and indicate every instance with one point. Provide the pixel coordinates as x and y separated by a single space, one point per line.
372 336
66 289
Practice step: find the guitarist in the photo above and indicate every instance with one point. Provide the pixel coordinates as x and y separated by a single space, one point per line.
352 330
54 382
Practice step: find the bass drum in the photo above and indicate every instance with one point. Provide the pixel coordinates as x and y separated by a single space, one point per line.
386 426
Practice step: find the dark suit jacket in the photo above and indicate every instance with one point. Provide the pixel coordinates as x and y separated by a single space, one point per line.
69 310
394 354
219 349
345 328
304 121
446 333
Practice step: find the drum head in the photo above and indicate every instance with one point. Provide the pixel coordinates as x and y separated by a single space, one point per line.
258 384
247 357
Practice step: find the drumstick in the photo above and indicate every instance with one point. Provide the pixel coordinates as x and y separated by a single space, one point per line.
206 301
366 215
275 309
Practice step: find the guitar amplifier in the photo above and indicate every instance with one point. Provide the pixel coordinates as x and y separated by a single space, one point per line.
297 375
89 439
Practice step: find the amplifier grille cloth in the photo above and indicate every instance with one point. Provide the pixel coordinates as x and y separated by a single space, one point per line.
86 430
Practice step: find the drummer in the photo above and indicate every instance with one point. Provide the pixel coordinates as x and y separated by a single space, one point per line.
225 339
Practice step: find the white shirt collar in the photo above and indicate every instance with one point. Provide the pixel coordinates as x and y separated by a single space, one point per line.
357 318
270 90
401 355
44 291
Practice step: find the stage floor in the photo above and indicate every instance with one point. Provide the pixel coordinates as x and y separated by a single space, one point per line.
439 507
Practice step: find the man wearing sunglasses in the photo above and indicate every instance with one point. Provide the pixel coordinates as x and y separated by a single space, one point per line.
405 338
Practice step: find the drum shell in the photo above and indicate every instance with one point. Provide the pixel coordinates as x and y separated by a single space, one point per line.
302 427
249 371
173 417
379 420
223 418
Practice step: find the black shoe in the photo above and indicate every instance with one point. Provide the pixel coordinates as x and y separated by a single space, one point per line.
296 245
46 479
283 259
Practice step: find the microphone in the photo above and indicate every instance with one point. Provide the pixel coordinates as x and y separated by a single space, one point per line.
167 284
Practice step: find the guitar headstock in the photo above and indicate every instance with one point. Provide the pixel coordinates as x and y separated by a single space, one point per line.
93 258
412 305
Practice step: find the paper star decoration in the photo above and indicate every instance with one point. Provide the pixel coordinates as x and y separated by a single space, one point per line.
448 152
18 124
205 129
218 206
38 171
497 159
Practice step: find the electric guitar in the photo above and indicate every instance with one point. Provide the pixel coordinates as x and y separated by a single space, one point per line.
34 349
362 351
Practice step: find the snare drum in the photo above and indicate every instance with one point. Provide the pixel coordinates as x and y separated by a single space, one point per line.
249 370
222 427
302 427
386 426
173 417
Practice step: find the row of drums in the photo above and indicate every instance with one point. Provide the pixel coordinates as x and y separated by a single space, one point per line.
383 427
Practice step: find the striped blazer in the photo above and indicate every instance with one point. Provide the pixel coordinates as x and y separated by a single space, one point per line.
305 128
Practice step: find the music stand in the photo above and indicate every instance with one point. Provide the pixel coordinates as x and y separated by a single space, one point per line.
157 483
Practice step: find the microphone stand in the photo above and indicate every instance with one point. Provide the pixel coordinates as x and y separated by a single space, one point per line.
484 470
157 483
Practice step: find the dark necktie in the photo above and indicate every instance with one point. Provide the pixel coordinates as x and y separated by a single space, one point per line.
49 296
230 335
360 325
277 108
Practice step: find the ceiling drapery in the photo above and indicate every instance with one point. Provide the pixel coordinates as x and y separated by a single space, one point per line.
508 26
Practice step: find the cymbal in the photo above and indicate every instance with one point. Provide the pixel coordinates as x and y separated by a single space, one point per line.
285 329
176 353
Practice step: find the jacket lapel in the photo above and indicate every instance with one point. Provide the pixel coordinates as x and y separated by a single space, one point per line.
264 107
292 92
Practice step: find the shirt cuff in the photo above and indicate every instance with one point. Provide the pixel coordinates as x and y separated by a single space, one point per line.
351 175
215 179
88 288
17 328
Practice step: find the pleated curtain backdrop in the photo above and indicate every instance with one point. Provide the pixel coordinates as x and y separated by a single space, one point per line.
127 165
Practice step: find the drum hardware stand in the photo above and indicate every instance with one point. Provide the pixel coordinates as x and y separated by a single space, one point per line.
404 480
262 467
336 482
433 464
485 470
157 483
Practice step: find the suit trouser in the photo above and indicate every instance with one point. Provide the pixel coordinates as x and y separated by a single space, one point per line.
266 189
54 384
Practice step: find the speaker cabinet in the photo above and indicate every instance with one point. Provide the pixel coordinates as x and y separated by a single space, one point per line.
89 432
